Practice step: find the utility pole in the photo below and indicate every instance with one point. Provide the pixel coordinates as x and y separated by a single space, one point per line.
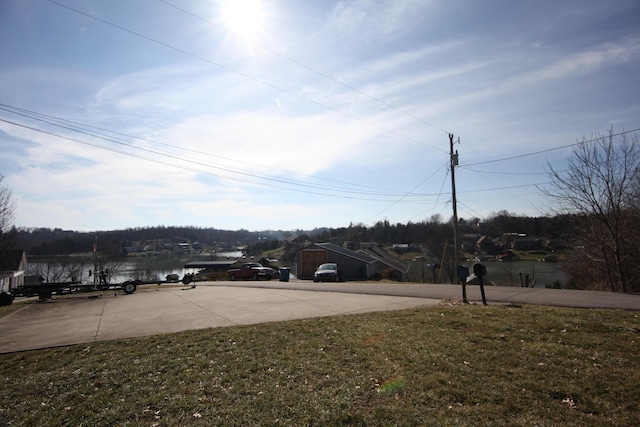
454 163
454 202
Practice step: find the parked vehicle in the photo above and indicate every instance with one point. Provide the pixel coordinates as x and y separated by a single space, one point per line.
328 272
45 291
250 271
508 256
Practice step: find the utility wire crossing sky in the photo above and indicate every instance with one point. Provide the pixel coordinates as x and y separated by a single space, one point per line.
280 114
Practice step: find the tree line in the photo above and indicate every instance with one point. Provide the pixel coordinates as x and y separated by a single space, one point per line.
46 241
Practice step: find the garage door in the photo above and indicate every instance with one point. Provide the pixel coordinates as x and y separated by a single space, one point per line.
310 260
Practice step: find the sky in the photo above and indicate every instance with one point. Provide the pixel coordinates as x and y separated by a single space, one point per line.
292 115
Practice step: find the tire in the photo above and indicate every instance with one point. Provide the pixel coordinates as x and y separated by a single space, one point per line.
44 295
129 287
6 299
187 279
255 276
232 277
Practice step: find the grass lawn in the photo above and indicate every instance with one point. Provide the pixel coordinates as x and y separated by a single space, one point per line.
447 365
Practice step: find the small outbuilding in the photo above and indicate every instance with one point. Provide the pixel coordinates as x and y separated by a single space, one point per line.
388 266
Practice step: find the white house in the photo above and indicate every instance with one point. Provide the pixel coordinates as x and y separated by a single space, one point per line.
13 265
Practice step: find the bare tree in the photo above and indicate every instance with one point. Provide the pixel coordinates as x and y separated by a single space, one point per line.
73 268
601 186
48 270
111 268
7 212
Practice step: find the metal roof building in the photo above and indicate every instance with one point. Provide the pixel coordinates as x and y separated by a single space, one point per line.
361 265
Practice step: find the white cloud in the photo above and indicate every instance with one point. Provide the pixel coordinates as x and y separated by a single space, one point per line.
248 142
274 144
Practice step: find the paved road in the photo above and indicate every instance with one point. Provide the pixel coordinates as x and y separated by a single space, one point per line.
494 294
164 309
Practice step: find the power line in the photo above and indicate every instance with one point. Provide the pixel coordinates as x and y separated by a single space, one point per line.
380 196
306 67
547 150
444 179
187 167
506 188
397 197
242 74
505 173
469 208
38 116
405 195
435 204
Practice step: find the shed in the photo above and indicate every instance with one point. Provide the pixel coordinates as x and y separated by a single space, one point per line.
13 265
354 265
386 261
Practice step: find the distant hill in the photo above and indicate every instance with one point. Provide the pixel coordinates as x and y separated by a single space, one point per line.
47 241
431 234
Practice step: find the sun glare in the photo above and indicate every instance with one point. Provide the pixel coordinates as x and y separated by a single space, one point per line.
243 17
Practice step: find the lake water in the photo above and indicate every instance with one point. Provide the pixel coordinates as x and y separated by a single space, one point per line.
508 273
502 273
144 268
158 267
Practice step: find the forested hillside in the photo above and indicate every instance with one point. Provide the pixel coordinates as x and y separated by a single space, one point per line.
430 233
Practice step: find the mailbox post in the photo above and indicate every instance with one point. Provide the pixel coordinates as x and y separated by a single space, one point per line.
463 272
480 270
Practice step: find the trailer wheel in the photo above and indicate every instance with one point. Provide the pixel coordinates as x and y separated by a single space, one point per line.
44 295
129 287
6 298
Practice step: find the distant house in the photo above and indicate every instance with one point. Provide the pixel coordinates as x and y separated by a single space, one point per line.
354 265
527 244
13 265
400 248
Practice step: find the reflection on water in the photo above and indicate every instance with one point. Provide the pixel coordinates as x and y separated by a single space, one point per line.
508 273
500 273
158 267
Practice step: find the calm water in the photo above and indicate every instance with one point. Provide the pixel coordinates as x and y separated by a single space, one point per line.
157 268
508 273
145 268
502 273
160 267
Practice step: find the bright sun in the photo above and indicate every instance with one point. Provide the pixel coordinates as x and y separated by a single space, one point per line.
243 17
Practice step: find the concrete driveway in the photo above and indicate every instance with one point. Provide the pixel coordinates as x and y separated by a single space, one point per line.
80 318
153 310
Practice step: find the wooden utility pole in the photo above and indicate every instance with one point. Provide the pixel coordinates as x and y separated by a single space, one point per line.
454 163
454 202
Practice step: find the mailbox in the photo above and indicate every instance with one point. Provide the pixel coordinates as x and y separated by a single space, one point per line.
462 272
480 270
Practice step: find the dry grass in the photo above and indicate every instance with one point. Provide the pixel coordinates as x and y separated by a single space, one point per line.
448 365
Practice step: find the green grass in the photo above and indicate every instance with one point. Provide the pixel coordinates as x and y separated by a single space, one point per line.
448 365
